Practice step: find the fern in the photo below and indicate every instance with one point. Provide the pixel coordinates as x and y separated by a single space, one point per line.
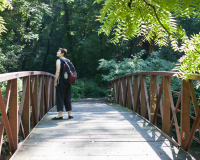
3 5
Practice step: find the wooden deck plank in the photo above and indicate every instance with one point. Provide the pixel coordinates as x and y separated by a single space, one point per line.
112 133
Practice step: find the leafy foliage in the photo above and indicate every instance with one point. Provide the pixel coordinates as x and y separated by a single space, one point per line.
190 62
3 5
86 89
155 22
137 64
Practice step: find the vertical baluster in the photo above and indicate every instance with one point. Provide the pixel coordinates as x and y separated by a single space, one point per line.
153 97
32 83
26 107
13 112
49 93
159 101
116 92
53 95
159 92
185 113
136 90
194 100
125 92
46 94
50 97
42 97
120 91
143 97
166 105
35 99
130 93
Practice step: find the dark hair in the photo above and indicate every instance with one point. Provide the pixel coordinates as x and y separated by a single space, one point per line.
63 50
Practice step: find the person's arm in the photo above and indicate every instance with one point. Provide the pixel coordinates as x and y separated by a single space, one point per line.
57 71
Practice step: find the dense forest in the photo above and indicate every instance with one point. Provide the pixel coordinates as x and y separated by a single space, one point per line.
35 29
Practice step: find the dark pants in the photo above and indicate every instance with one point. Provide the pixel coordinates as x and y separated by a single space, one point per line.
63 96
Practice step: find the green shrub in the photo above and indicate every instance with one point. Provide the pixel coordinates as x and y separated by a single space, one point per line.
84 88
136 64
91 89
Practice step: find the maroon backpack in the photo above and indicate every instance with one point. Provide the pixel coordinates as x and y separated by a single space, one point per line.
69 72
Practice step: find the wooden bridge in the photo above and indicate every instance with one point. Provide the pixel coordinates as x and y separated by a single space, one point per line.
100 130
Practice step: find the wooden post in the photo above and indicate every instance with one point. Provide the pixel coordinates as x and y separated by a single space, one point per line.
53 95
120 92
13 112
114 91
152 97
136 89
51 92
125 92
42 97
143 97
159 92
166 105
32 83
35 99
46 94
185 113
26 108
130 93
194 100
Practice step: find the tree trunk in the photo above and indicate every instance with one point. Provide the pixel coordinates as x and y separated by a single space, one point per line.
48 46
24 64
25 56
101 45
69 37
131 48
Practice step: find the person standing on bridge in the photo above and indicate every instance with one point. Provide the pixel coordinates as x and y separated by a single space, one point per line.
63 90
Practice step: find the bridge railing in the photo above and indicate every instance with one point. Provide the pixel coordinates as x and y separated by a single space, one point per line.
156 100
37 98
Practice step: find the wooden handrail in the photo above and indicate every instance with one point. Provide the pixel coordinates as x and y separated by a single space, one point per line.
160 73
37 94
13 75
150 105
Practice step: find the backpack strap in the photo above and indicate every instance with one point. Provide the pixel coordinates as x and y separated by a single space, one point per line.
72 68
63 68
65 64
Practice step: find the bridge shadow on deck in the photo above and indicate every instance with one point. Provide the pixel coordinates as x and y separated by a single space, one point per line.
98 131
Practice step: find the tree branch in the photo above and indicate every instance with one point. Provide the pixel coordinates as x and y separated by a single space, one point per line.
197 51
158 18
129 4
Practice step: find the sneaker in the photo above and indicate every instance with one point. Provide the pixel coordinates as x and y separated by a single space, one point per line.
70 117
57 118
